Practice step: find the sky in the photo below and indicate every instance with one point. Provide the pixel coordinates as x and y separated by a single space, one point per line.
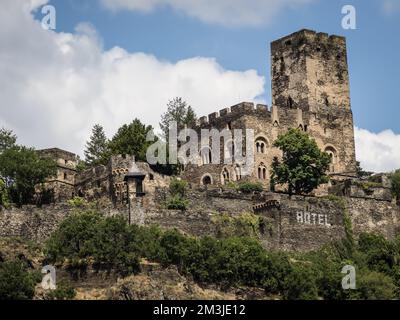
110 61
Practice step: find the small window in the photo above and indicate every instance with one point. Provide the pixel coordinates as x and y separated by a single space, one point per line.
65 176
66 162
151 176
305 128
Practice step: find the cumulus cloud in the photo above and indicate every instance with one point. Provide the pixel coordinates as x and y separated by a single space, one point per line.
378 152
55 86
223 12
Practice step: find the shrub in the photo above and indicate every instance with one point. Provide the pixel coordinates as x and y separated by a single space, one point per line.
77 202
3 194
89 237
395 178
16 283
177 203
300 284
178 187
374 286
64 291
248 187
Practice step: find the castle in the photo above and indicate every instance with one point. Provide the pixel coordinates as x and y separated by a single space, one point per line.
310 91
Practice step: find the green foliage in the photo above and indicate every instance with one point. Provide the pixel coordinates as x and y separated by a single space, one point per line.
97 149
88 237
7 139
78 202
303 167
395 178
176 202
249 187
243 225
179 111
3 194
300 284
360 172
374 286
24 167
178 187
81 166
131 139
16 283
64 291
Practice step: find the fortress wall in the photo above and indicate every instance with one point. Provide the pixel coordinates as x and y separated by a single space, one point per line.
297 223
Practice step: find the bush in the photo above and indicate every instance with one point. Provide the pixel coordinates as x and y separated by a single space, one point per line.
3 194
178 187
86 237
374 286
78 202
395 178
16 283
300 284
248 187
64 291
177 203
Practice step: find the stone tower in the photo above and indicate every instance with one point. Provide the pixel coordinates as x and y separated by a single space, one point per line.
309 72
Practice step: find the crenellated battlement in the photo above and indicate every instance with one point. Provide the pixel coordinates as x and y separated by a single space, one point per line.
241 109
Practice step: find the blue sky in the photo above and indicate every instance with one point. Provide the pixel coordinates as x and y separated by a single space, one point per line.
372 48
110 61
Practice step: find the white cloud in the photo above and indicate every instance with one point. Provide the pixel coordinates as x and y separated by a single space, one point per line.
378 152
224 12
55 86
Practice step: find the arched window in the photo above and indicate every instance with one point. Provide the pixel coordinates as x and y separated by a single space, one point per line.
261 145
262 172
331 151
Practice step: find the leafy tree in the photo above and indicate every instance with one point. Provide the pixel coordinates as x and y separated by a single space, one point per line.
360 172
97 151
395 177
26 170
7 139
131 139
303 167
177 110
16 283
3 193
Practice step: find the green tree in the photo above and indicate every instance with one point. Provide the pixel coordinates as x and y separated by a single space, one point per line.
177 110
97 151
26 170
3 193
303 167
7 139
16 283
395 177
131 139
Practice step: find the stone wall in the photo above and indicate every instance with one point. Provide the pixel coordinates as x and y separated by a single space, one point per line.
288 223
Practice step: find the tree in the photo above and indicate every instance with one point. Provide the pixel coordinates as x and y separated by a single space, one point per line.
360 171
131 139
7 139
97 150
395 178
16 283
177 110
26 170
303 167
